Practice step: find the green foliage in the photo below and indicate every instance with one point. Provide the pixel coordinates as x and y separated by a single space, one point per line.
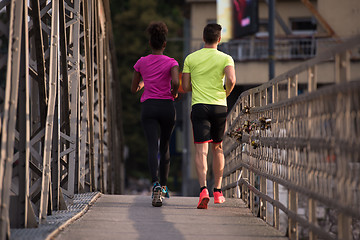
130 19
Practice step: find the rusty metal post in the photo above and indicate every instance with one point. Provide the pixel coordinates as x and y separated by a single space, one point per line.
9 117
53 82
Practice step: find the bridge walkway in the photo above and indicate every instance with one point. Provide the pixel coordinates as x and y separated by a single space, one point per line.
133 217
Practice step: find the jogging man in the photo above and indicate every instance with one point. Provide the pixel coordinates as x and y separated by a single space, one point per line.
203 74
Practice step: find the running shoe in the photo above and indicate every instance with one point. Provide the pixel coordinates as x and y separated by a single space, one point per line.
218 197
164 192
204 199
156 195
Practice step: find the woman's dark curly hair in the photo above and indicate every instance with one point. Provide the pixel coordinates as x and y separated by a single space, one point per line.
158 32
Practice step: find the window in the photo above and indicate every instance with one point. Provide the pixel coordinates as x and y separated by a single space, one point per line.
263 28
303 25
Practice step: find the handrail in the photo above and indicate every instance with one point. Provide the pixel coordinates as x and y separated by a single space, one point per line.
308 143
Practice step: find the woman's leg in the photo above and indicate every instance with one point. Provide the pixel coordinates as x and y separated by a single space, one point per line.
151 126
167 123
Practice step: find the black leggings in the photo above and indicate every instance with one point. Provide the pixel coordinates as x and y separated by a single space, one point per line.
158 114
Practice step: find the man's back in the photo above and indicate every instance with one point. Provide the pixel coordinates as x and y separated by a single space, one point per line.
206 67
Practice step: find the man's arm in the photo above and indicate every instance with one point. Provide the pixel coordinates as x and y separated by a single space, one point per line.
186 82
230 79
136 84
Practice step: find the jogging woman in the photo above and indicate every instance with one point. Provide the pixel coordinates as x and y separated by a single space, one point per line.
158 74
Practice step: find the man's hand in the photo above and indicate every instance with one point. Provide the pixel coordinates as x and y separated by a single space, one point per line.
230 79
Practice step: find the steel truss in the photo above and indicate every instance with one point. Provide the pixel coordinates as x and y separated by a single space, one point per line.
56 107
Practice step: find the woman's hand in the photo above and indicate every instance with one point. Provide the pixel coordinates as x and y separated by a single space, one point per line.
136 84
174 93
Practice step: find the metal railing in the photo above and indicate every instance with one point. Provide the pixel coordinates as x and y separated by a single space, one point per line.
60 126
285 48
307 144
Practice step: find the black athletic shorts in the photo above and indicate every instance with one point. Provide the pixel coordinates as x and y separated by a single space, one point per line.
208 122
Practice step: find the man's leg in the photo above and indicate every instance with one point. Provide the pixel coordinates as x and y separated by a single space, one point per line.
201 151
218 163
201 130
218 169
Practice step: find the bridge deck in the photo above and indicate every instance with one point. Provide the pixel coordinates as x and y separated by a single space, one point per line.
133 217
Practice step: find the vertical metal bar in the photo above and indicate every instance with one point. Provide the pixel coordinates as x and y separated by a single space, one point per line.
95 89
275 93
40 63
90 93
108 104
344 227
276 209
262 202
100 54
65 99
53 78
267 96
75 85
76 107
276 212
262 97
82 110
245 191
55 149
293 206
9 116
312 217
83 181
312 78
64 109
342 67
293 86
312 203
271 30
252 195
97 101
24 127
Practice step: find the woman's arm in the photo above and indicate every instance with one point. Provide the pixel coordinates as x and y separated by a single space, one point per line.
136 84
174 81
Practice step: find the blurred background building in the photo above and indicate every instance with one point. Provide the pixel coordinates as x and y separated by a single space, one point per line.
301 28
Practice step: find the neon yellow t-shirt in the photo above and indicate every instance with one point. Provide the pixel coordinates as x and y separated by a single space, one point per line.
206 67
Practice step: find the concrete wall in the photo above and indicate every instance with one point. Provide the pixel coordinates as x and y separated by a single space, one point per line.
250 73
286 10
343 16
201 13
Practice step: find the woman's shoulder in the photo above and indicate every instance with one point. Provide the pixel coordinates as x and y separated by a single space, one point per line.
167 57
170 59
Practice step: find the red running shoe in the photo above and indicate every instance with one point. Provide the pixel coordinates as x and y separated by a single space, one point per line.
204 199
218 197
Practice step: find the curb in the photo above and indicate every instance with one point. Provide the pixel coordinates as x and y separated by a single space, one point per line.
56 222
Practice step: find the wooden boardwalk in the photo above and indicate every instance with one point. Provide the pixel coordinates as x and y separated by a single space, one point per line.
133 217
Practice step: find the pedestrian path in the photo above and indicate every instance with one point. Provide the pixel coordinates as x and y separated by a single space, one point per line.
133 217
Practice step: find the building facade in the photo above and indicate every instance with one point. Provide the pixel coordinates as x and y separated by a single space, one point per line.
303 28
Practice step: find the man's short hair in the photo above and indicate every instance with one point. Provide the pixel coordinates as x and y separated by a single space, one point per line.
212 32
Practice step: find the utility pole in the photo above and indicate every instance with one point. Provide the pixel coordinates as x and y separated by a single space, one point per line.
186 158
271 29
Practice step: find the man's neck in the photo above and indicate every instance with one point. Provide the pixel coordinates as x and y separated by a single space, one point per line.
211 45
